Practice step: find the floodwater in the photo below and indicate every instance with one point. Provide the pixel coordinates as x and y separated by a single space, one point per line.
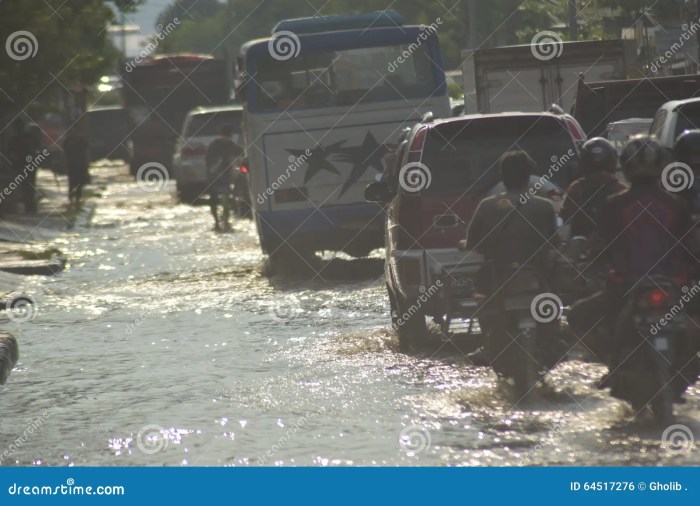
164 343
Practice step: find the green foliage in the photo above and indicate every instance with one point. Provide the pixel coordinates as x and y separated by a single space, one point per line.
71 47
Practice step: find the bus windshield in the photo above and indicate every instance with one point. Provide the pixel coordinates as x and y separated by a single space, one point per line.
344 77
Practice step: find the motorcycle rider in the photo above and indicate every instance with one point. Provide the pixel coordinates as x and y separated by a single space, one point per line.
586 195
511 233
222 155
641 233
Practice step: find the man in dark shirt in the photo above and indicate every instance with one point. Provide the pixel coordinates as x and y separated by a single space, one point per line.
221 158
75 150
511 233
588 194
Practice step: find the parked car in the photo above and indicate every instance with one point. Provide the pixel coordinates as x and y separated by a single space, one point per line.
202 125
673 118
108 134
457 161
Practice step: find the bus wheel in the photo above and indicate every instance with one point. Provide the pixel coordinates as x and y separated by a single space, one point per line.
290 261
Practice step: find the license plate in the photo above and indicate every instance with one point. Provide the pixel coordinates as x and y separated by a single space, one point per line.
661 343
462 282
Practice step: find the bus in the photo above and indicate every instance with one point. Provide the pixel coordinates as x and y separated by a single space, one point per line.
325 100
158 92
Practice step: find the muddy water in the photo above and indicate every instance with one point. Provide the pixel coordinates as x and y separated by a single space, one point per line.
165 344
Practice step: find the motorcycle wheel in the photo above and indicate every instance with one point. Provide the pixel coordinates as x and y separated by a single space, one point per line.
524 367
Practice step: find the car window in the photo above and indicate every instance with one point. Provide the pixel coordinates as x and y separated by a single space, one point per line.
463 156
658 123
688 119
208 124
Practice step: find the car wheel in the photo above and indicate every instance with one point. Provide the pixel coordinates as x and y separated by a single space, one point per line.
410 325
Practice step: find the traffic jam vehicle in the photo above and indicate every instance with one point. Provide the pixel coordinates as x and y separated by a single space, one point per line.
321 119
442 171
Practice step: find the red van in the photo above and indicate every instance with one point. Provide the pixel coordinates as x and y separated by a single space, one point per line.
442 170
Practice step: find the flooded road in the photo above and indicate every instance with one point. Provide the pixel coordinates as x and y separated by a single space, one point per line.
164 343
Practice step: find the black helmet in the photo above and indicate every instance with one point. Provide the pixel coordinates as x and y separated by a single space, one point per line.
687 149
597 155
643 158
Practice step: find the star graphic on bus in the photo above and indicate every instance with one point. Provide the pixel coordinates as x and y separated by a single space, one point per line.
368 154
318 159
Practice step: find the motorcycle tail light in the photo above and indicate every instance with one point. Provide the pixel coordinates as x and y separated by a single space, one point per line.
244 169
655 298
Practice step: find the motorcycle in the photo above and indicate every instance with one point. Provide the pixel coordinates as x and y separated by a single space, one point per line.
654 357
522 337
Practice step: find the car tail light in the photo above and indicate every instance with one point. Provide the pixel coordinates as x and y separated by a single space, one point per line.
244 169
411 271
575 129
193 150
415 150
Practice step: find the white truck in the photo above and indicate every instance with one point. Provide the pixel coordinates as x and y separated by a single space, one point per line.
530 78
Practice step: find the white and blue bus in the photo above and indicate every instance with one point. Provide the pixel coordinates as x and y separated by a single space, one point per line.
325 101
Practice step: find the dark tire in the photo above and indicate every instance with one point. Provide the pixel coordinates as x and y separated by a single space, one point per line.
662 406
410 326
525 369
288 261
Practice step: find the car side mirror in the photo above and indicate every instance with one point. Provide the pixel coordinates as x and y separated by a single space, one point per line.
378 192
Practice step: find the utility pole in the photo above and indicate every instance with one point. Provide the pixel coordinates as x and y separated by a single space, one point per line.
573 23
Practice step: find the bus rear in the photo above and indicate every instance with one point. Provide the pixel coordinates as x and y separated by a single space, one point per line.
322 120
